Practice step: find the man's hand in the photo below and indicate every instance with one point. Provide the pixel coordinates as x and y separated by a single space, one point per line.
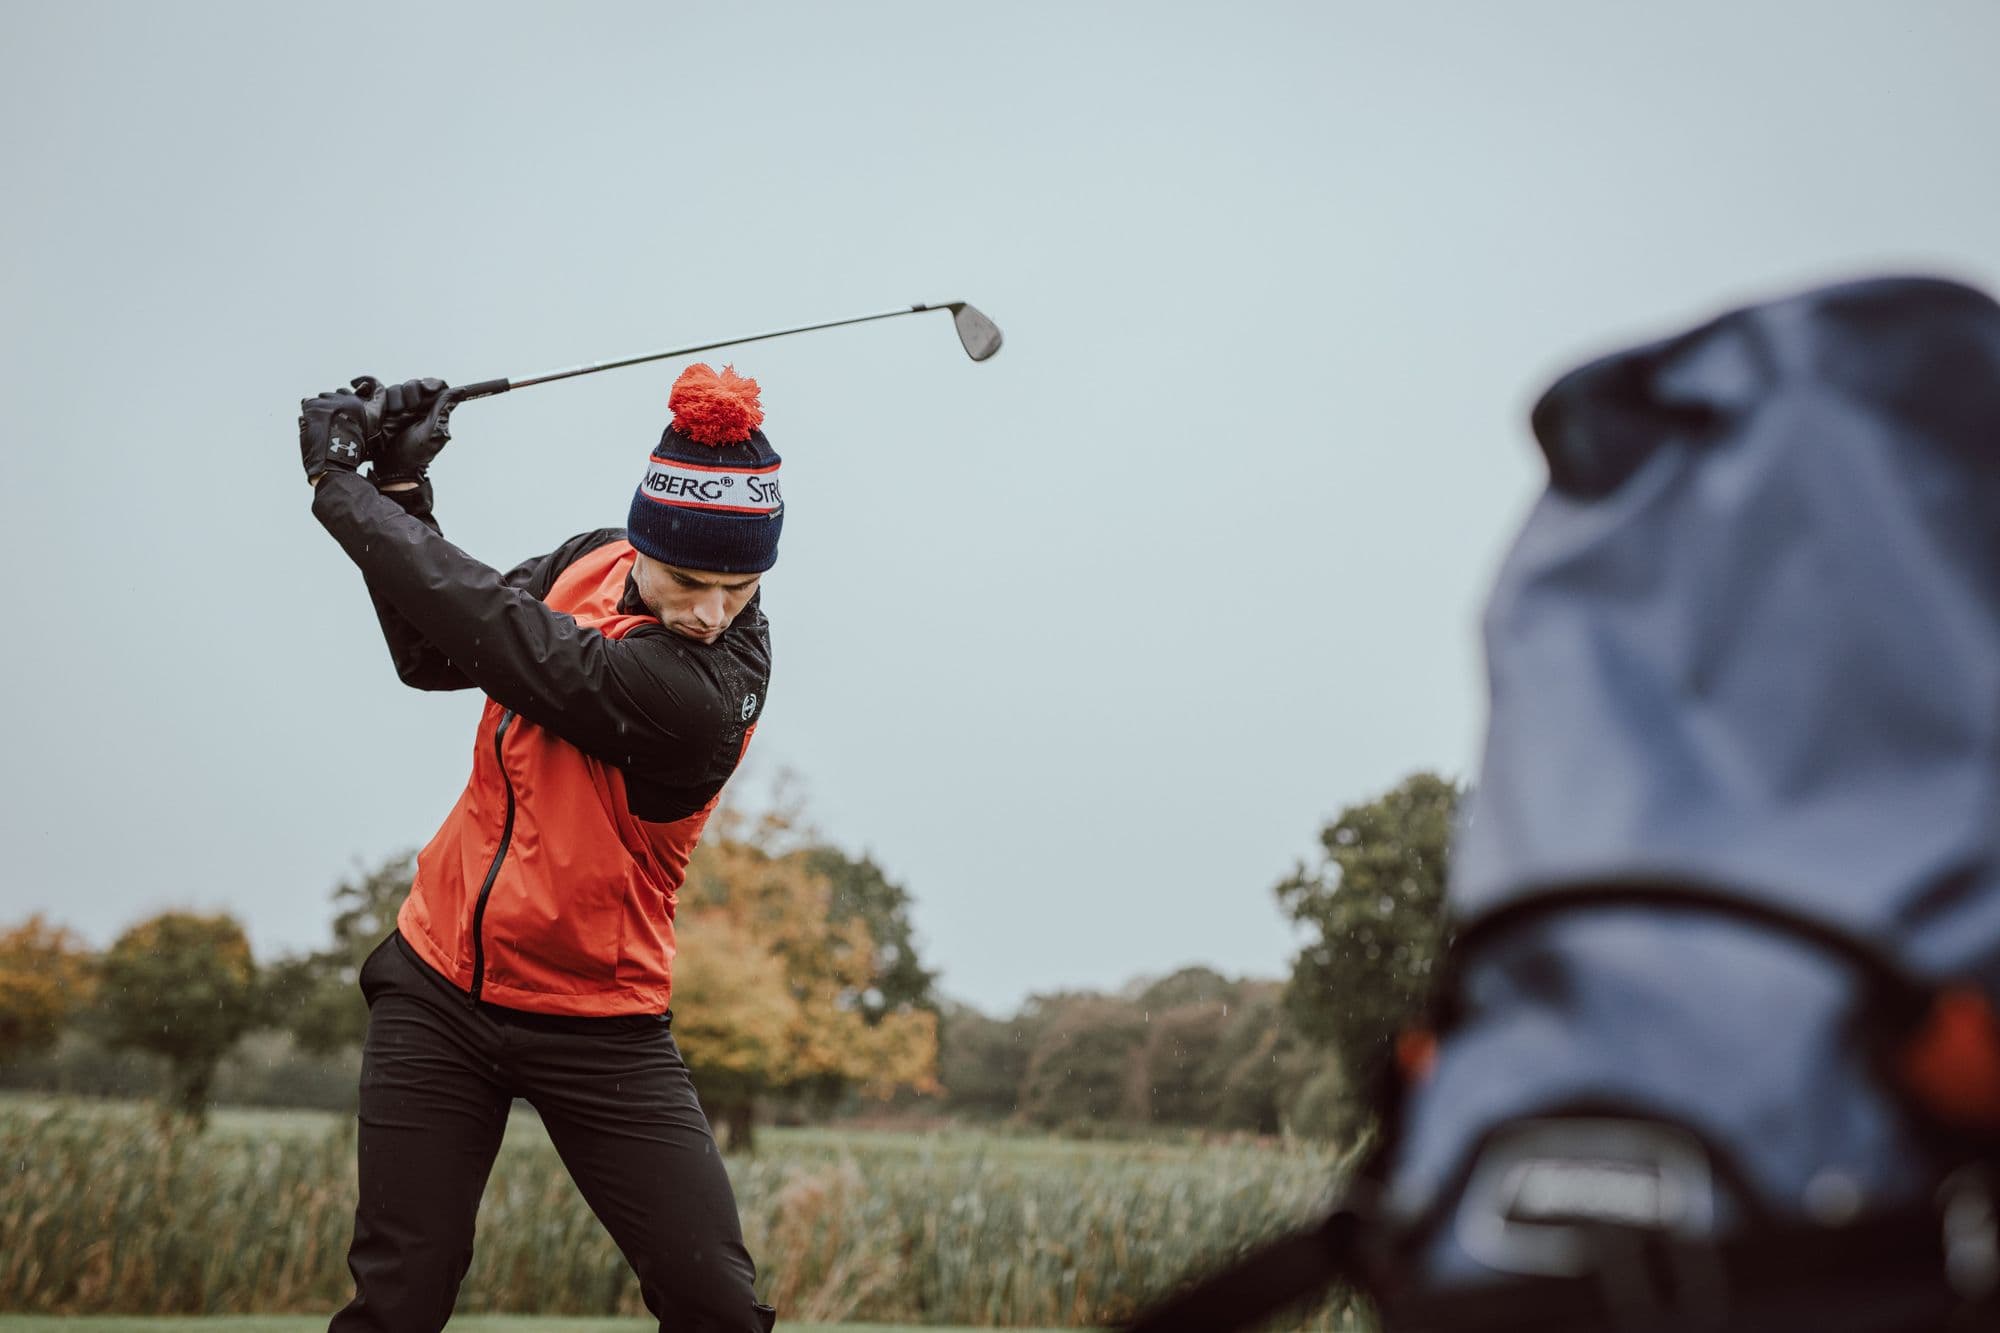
335 430
416 425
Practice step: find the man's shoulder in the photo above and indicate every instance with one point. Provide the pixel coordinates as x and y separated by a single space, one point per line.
537 575
751 620
585 542
712 690
748 637
745 647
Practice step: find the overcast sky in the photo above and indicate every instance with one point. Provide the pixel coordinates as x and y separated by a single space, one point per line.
1082 644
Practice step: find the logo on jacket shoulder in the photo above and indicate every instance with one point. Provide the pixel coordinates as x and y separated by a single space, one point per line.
749 706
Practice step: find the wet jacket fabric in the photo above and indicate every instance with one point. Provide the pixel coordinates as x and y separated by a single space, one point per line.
603 747
1748 642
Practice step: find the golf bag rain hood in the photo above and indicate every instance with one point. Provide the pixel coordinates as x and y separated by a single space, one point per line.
1751 636
1748 642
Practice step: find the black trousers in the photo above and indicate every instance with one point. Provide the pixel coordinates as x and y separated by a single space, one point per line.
437 1076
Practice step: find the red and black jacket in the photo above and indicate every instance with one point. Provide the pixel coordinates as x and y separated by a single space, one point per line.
603 747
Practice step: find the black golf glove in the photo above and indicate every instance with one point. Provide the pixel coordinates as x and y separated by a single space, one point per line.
336 429
416 425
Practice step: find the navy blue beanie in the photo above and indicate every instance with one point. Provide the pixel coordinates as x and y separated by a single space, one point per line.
710 500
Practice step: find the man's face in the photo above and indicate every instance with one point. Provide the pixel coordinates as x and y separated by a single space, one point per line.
692 602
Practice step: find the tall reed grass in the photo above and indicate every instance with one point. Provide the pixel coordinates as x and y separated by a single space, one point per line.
108 1212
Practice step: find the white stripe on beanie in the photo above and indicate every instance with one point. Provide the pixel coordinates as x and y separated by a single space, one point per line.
670 481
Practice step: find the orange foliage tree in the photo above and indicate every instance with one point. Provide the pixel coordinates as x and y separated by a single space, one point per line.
45 978
773 994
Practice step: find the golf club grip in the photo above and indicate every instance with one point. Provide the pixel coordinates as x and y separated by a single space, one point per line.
438 427
463 393
483 389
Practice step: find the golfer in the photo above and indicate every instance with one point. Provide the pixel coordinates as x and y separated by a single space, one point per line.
623 673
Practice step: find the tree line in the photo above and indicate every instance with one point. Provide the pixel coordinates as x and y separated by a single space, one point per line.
804 987
800 994
1199 1050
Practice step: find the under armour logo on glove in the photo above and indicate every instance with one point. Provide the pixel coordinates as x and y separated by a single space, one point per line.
348 447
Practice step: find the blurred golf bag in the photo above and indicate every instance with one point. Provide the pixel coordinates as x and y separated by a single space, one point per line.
1716 1047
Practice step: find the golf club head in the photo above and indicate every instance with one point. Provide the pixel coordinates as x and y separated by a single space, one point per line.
979 335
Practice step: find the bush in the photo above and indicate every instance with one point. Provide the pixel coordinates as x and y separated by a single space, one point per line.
263 1069
82 1065
1326 1107
269 1069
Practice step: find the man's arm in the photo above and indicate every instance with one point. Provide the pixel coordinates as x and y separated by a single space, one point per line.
420 663
641 702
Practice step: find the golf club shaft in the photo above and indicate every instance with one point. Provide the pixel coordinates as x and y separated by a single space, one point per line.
487 388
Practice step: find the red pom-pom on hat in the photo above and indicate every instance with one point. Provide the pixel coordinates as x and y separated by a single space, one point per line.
715 409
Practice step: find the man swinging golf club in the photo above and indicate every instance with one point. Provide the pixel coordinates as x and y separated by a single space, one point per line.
624 674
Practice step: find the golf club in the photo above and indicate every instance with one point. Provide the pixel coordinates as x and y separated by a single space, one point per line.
977 334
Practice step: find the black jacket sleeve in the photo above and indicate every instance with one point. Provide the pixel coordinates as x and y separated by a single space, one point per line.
419 662
644 702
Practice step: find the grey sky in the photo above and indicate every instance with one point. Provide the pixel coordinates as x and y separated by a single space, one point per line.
1082 643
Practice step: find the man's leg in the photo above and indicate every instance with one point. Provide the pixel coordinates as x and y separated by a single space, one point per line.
432 1116
622 1112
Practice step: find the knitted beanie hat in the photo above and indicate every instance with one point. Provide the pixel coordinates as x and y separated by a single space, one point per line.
710 499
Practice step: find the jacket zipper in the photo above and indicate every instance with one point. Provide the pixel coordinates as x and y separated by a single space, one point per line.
499 855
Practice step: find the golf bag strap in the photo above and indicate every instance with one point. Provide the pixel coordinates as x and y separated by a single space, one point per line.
1946 1054
1909 996
1269 1279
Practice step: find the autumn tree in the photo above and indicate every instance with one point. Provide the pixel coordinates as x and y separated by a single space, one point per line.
45 978
772 988
1374 905
184 987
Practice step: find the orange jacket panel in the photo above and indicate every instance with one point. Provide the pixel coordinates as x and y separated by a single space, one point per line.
542 890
